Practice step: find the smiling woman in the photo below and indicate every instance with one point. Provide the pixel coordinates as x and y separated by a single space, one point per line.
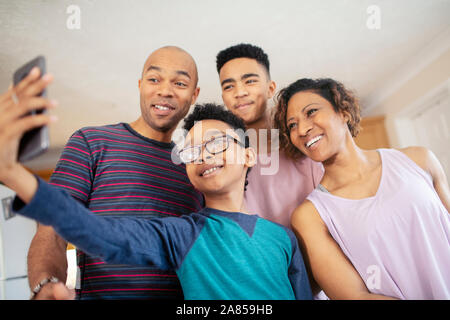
364 227
340 98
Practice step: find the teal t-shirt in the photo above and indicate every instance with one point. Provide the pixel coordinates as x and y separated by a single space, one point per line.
217 255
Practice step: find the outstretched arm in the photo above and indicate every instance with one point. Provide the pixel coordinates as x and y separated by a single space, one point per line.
47 254
125 241
115 240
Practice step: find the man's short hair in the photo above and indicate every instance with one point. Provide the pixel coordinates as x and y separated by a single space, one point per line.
243 50
212 111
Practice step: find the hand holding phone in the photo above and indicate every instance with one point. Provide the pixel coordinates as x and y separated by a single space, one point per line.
35 141
16 105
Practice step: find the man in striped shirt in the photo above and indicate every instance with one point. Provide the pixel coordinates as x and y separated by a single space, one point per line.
124 169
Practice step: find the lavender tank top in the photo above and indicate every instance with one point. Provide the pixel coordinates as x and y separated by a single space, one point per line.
397 240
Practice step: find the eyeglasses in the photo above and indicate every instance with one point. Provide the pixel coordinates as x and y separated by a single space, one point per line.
214 146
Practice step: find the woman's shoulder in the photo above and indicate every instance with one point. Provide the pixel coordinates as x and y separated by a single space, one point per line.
306 211
420 155
427 160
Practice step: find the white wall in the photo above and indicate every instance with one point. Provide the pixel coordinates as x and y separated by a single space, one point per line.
432 76
15 238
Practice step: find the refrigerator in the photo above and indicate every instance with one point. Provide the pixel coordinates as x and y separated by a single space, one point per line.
16 233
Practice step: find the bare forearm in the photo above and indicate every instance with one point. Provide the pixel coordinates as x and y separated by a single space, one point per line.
47 256
20 180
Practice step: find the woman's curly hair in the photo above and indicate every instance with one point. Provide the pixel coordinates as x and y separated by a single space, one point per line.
342 100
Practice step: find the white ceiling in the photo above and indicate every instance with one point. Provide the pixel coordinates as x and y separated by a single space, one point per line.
96 68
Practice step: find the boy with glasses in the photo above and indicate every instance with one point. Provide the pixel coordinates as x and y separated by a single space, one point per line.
220 252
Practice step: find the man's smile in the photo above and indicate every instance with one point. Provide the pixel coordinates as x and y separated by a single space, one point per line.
162 108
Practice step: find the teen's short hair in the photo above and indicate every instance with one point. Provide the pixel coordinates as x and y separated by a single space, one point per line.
212 111
341 98
243 50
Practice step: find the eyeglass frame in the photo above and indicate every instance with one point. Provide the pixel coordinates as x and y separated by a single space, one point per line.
200 147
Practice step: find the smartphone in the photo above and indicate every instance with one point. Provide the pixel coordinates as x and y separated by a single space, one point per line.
35 141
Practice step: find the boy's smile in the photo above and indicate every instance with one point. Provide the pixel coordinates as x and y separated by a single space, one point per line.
208 170
221 165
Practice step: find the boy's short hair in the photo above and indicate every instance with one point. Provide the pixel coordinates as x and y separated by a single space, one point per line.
212 111
243 50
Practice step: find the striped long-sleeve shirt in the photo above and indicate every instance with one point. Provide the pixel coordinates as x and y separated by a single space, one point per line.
114 171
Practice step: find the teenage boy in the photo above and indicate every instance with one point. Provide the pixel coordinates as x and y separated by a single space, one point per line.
277 184
220 252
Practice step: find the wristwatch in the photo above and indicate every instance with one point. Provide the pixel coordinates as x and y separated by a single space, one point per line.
42 283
